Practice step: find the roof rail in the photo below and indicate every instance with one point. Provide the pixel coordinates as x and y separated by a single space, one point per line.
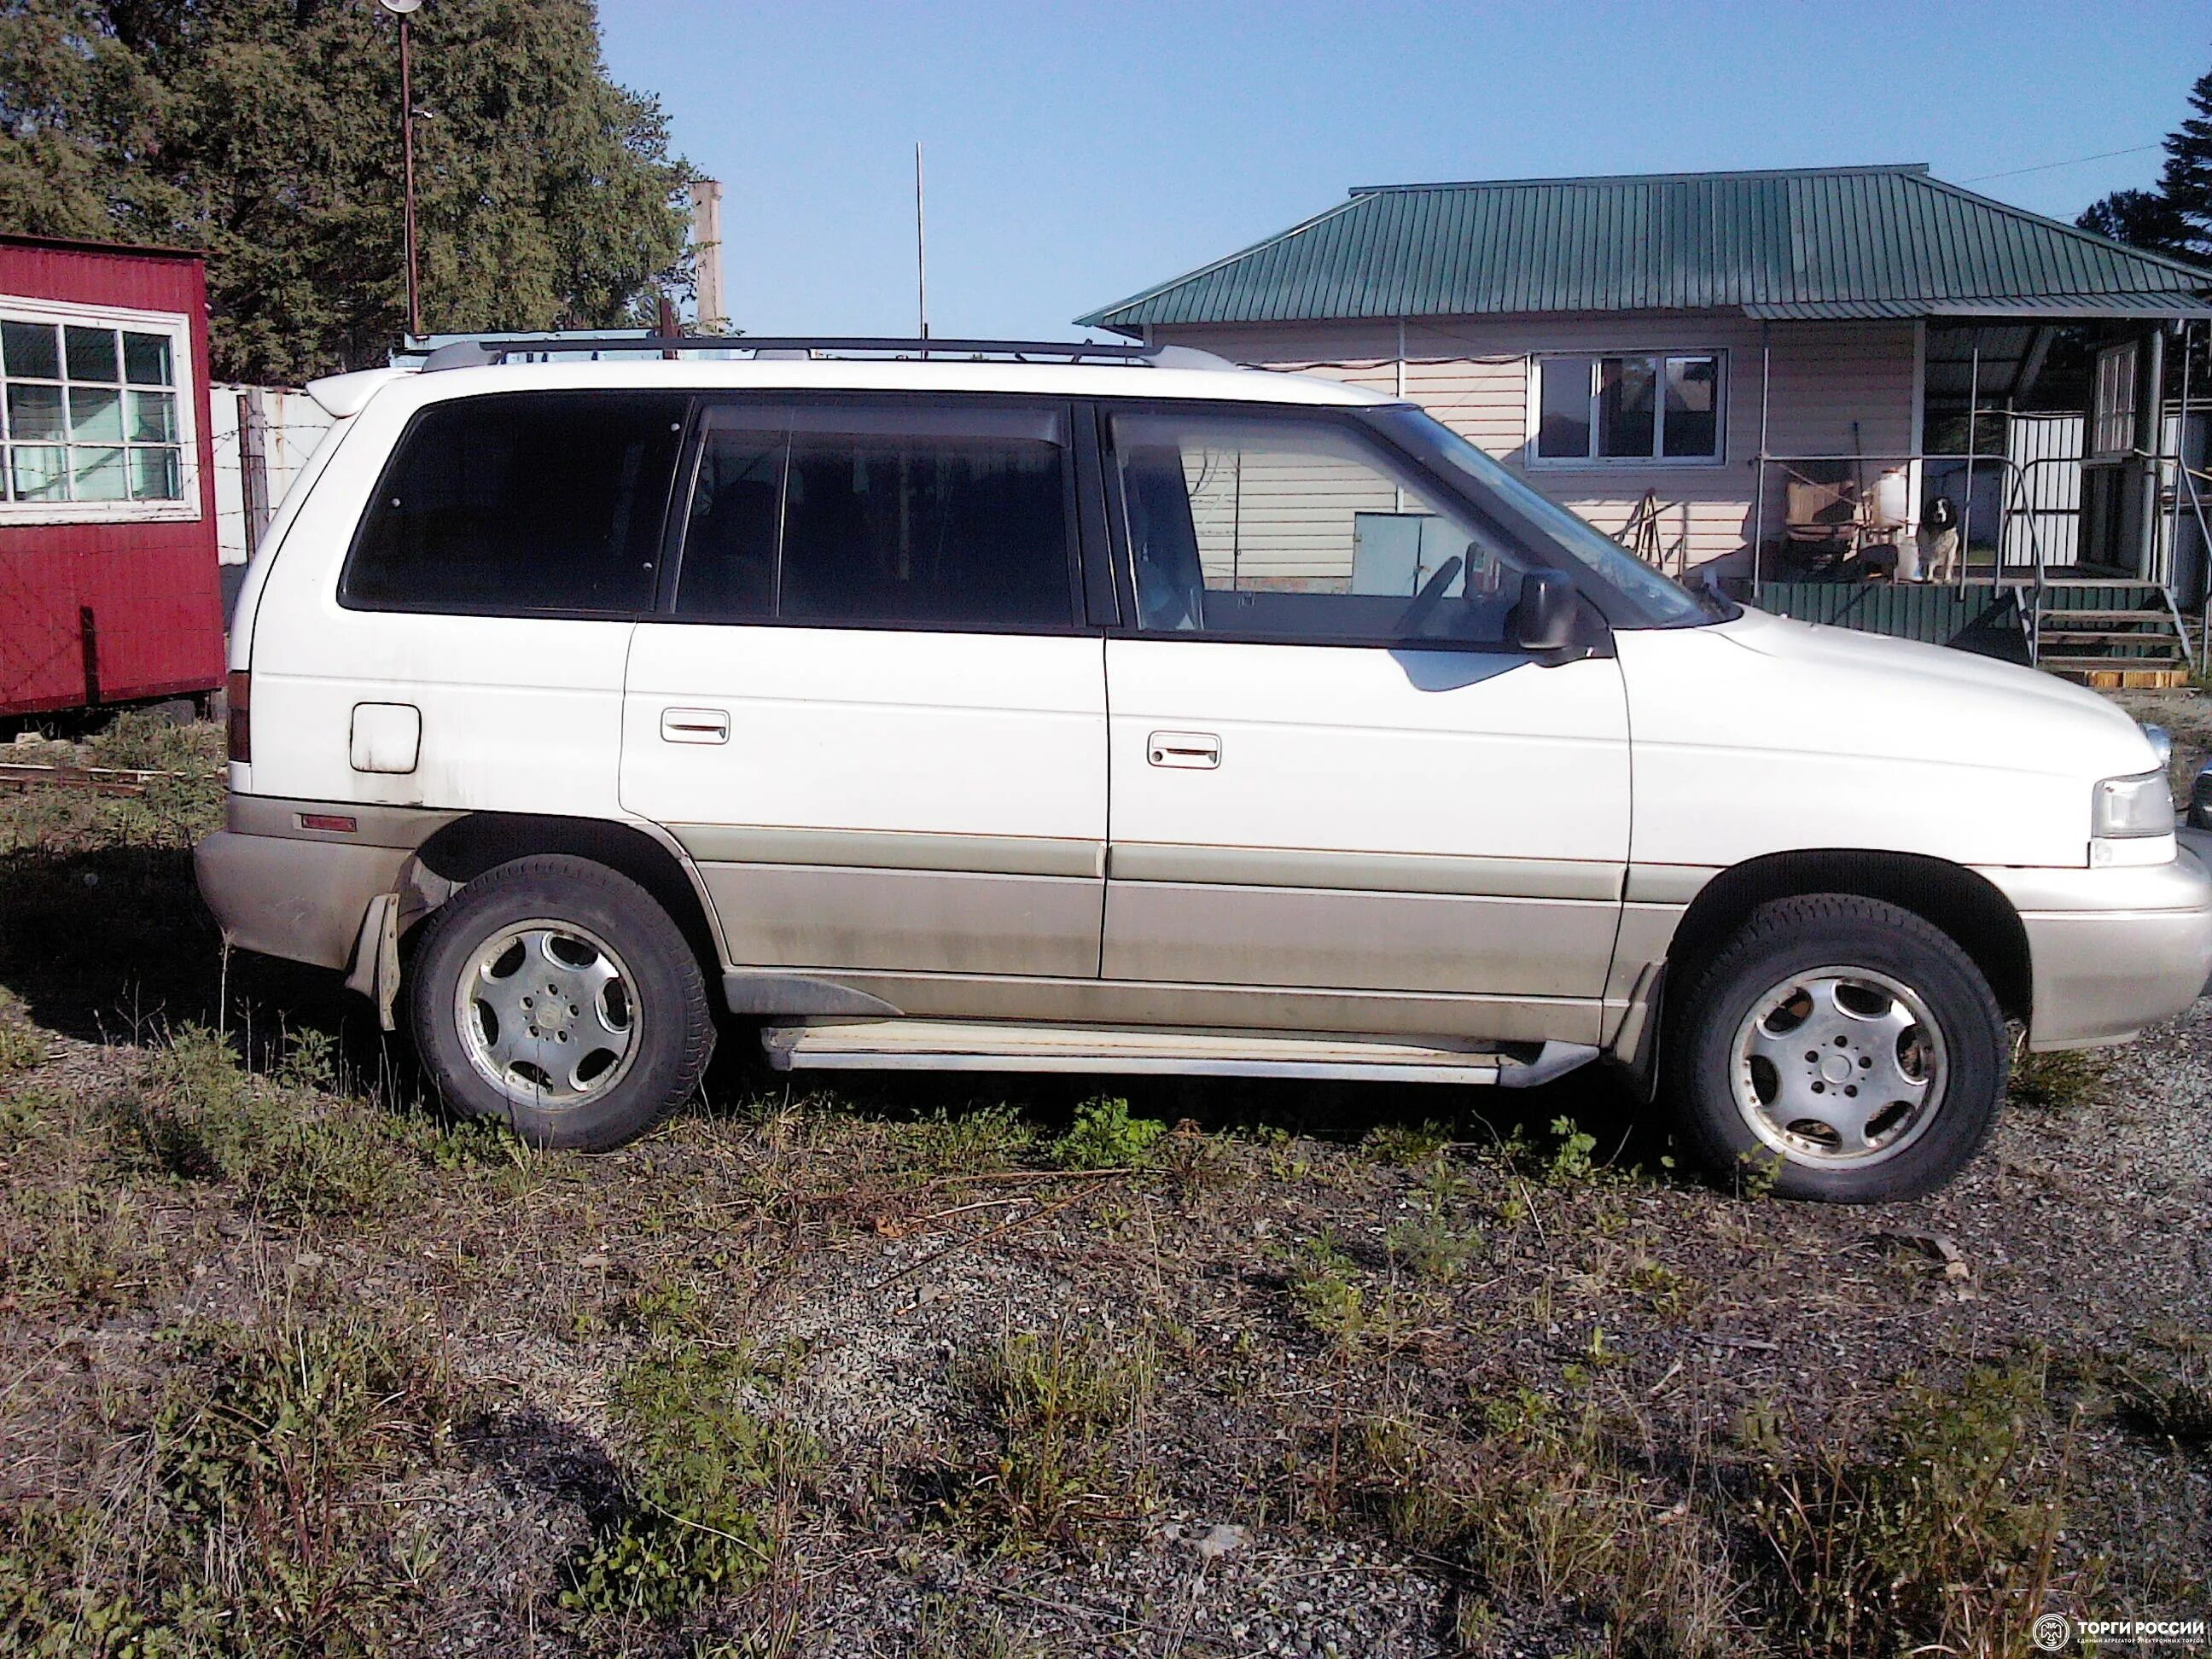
477 354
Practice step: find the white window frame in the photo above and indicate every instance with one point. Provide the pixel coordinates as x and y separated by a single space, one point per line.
1533 404
178 327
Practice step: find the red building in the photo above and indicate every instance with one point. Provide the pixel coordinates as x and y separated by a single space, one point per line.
109 590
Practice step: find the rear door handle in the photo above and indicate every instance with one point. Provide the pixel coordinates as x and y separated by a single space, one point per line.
1197 750
695 726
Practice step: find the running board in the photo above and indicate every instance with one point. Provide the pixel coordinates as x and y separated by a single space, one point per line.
940 1045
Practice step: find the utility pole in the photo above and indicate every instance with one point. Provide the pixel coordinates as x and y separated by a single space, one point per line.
402 10
920 248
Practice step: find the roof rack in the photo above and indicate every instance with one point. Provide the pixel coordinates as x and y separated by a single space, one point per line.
477 354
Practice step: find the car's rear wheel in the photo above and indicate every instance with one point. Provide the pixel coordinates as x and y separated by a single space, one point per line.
555 996
1842 1047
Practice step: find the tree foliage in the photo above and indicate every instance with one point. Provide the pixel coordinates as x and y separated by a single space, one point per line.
2176 218
268 132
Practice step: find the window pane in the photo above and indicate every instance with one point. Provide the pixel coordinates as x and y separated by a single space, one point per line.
35 412
146 359
153 417
92 355
156 475
729 543
1694 406
950 517
1626 408
38 474
522 502
1261 528
1564 428
30 351
99 474
95 416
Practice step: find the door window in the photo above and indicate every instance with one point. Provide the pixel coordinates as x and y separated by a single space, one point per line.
878 515
1268 527
521 503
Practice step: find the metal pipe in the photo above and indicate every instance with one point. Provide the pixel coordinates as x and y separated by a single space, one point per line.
1974 444
920 249
1758 493
2150 445
407 170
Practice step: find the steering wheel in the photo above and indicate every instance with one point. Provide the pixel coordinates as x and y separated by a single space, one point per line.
1431 594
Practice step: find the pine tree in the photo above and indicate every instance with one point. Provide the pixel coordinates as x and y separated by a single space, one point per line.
2176 218
267 131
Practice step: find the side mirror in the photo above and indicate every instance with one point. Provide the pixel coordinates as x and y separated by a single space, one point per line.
1545 618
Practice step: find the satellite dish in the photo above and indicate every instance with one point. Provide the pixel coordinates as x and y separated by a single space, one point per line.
399 8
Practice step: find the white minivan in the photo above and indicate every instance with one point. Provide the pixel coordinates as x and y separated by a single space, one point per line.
1085 709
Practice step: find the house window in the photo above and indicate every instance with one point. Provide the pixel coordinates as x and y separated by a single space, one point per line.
1661 408
93 415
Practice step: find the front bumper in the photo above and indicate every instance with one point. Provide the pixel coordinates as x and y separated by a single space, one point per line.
2112 950
285 896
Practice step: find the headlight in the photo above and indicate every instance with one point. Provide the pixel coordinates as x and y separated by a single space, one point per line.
2161 745
2139 805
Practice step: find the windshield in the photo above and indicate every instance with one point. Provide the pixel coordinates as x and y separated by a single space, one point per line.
1656 600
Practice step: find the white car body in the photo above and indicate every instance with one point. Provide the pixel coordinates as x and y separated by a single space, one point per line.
1448 845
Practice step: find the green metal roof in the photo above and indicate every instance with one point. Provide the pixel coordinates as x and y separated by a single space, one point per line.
1835 241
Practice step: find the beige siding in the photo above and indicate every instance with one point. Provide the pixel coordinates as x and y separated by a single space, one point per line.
1474 375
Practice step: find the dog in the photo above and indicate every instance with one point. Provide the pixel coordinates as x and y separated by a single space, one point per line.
1939 541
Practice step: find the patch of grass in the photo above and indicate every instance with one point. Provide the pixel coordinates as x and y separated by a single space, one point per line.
201 1116
955 1627
21 1046
76 1246
1409 1143
1941 1539
270 1448
2056 1082
1330 1301
984 1141
1539 1512
2164 1389
1061 1407
705 1475
1104 1136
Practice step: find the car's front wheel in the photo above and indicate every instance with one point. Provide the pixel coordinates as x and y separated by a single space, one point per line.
555 996
1843 1047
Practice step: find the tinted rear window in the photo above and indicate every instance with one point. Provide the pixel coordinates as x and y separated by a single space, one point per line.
520 504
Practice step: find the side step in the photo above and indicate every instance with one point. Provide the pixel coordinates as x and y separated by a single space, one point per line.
939 1045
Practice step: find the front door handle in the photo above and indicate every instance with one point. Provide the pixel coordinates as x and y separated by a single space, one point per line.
1199 750
695 726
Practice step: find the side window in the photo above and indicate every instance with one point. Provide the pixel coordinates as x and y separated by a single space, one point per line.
521 503
1267 527
873 513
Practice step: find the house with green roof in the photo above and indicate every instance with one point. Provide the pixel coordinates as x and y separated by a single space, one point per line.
1767 376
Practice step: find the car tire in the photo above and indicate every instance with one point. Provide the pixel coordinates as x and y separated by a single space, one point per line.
557 997
1842 1049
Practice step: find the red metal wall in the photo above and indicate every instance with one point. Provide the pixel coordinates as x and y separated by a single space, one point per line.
154 589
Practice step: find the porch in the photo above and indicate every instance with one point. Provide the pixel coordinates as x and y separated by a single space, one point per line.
2073 538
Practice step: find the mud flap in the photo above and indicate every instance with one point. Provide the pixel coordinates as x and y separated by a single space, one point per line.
375 971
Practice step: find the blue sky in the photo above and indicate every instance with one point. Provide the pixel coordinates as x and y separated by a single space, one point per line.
1079 152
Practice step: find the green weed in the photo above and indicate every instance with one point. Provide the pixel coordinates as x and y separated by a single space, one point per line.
1104 1136
705 1471
1405 1143
2056 1082
984 1141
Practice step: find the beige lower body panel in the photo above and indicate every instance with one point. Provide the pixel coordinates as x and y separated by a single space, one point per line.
2112 950
1236 1007
301 900
834 919
1303 937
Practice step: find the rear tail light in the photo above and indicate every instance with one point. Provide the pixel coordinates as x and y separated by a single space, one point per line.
239 691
